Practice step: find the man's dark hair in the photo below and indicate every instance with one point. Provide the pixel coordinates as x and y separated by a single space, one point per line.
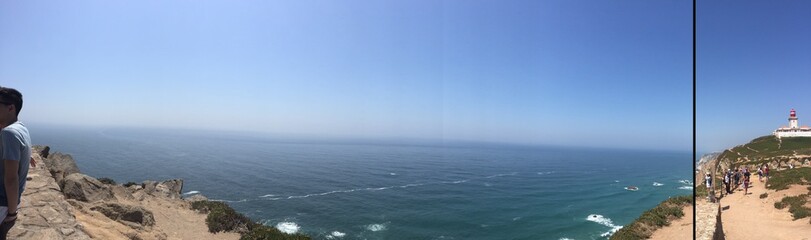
12 96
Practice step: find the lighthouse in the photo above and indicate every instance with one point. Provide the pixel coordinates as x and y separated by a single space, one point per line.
792 119
793 129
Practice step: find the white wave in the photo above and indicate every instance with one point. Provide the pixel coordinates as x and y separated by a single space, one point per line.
267 195
686 187
191 192
460 181
488 184
516 218
610 232
336 234
376 227
287 227
393 174
565 238
605 222
657 184
616 180
501 175
687 182
544 173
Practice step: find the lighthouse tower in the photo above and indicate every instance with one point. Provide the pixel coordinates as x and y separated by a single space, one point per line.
792 119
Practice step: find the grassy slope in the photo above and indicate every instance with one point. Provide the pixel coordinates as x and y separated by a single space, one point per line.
765 149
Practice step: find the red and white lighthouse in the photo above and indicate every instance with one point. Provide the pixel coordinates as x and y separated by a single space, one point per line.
792 119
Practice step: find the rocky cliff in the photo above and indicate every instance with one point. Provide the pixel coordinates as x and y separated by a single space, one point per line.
60 202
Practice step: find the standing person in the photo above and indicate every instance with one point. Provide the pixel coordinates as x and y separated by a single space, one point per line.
766 172
760 175
708 183
746 175
15 151
727 181
737 178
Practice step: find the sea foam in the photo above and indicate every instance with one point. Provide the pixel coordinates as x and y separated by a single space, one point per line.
657 184
288 227
687 182
376 227
605 222
191 192
336 234
686 187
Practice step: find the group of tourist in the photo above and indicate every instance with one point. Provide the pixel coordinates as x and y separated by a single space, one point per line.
735 178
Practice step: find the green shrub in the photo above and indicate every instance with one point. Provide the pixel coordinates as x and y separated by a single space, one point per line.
796 206
227 220
107 181
207 206
781 180
701 191
223 218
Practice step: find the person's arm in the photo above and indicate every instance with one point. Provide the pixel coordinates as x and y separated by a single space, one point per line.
12 183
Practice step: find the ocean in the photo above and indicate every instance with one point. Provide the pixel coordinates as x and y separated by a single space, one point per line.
369 190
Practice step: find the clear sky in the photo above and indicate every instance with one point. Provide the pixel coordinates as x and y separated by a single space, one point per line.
579 73
753 64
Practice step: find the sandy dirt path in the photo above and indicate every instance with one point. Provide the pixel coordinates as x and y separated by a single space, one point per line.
679 229
750 217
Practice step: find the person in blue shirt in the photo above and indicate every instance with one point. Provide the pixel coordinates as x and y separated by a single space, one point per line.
15 152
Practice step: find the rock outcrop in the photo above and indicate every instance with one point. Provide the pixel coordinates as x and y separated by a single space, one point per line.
58 164
168 189
60 202
85 188
135 216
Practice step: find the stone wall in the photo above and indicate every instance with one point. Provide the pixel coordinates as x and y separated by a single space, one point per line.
708 221
44 212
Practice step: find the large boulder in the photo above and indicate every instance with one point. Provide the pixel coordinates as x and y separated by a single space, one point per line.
133 216
85 188
60 165
169 188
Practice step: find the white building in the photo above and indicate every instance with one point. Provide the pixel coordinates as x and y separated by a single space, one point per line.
793 130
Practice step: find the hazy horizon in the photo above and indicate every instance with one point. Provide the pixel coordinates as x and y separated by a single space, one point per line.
594 73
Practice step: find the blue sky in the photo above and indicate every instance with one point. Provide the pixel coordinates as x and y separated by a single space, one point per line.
753 64
576 73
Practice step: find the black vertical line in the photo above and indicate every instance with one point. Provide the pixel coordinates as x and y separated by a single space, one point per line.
694 118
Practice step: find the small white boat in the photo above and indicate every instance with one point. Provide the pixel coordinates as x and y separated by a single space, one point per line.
631 188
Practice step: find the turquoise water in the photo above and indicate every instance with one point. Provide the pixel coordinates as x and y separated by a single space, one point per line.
335 190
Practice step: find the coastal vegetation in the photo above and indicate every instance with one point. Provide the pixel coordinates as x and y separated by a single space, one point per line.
223 218
780 180
701 191
766 149
796 206
659 216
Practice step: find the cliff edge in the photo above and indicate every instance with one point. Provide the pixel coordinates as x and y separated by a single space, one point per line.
60 202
